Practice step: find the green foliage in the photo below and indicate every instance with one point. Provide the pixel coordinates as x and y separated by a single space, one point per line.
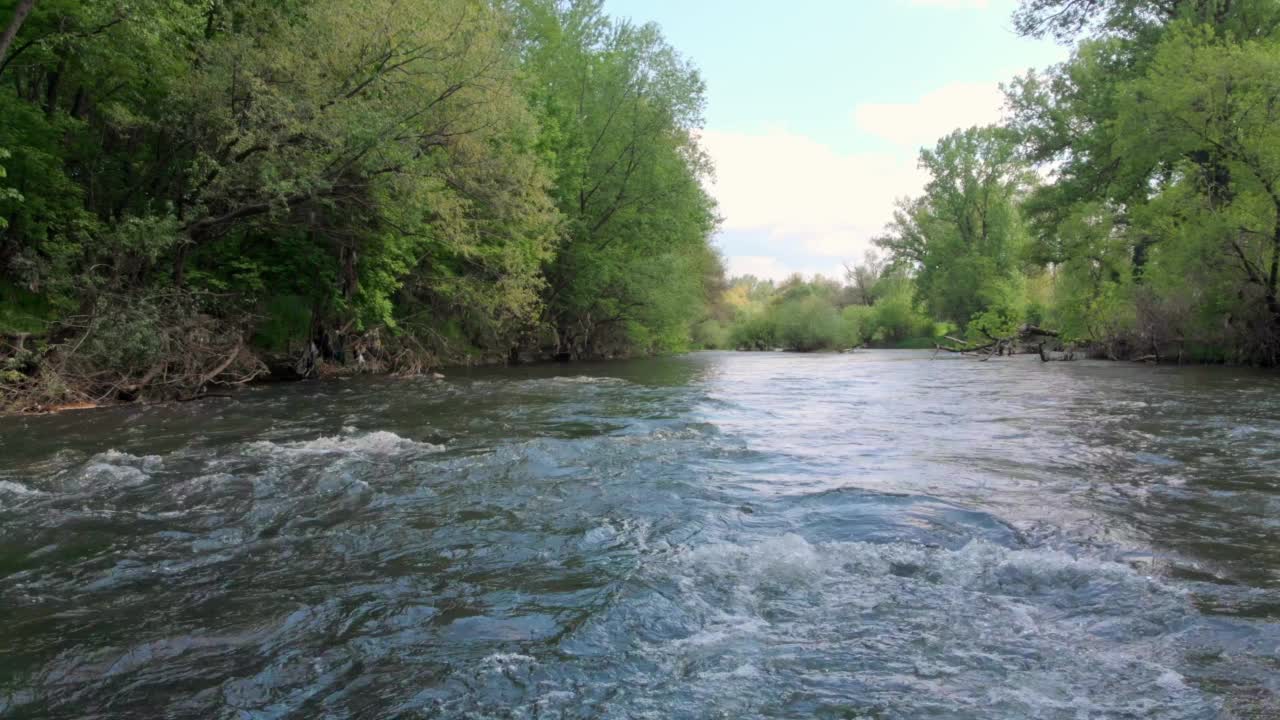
620 108
857 325
757 330
1162 226
807 324
1005 309
7 194
896 316
22 311
965 236
813 315
1158 229
461 178
710 334
129 334
285 325
465 176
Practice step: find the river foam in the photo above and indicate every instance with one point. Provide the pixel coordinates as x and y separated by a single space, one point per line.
377 444
1010 633
728 536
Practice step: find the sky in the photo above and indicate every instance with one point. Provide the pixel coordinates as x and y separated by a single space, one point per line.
817 110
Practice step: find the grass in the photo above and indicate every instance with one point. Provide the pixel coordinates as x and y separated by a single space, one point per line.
22 311
287 323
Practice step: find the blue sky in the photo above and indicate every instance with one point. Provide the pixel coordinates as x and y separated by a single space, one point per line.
816 109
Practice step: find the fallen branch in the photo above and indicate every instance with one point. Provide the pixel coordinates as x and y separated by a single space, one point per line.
965 347
1032 330
226 363
999 345
1045 356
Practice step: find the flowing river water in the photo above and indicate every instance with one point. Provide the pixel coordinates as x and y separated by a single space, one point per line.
719 535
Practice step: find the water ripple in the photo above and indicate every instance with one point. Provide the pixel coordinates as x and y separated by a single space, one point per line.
875 535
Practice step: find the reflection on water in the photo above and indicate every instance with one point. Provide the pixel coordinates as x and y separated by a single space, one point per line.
877 535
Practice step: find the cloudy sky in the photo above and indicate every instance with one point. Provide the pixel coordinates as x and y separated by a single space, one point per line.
817 110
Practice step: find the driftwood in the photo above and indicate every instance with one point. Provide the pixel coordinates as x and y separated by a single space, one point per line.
1027 335
962 346
1035 330
187 352
222 366
1048 356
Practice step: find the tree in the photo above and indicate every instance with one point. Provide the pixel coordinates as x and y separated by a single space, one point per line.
862 279
620 107
20 14
392 183
1156 130
965 233
1142 19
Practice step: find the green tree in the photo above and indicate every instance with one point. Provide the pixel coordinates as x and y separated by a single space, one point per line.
620 107
1158 222
449 179
965 234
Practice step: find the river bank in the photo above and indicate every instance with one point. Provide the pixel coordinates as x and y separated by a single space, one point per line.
31 387
289 369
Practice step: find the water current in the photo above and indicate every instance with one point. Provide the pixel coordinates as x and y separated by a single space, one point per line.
718 535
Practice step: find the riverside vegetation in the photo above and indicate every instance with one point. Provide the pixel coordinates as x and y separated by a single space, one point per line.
202 191
207 191
1130 202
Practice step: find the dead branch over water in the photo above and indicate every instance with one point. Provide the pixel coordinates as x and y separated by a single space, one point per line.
1028 338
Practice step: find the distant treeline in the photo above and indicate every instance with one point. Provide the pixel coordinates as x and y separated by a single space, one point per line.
875 306
1131 201
195 190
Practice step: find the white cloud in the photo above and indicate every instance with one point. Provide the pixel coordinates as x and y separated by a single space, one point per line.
954 4
808 198
935 114
762 266
807 207
771 268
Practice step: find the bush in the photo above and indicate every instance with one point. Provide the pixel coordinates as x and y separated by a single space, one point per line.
754 331
808 324
857 325
126 336
285 323
22 311
896 318
710 335
811 316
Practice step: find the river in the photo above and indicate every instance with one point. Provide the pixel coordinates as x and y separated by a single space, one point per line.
718 535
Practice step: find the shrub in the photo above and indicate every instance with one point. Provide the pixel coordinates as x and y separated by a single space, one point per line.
710 335
808 324
754 331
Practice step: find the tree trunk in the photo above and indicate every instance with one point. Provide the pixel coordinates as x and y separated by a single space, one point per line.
52 84
1273 274
19 16
180 266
